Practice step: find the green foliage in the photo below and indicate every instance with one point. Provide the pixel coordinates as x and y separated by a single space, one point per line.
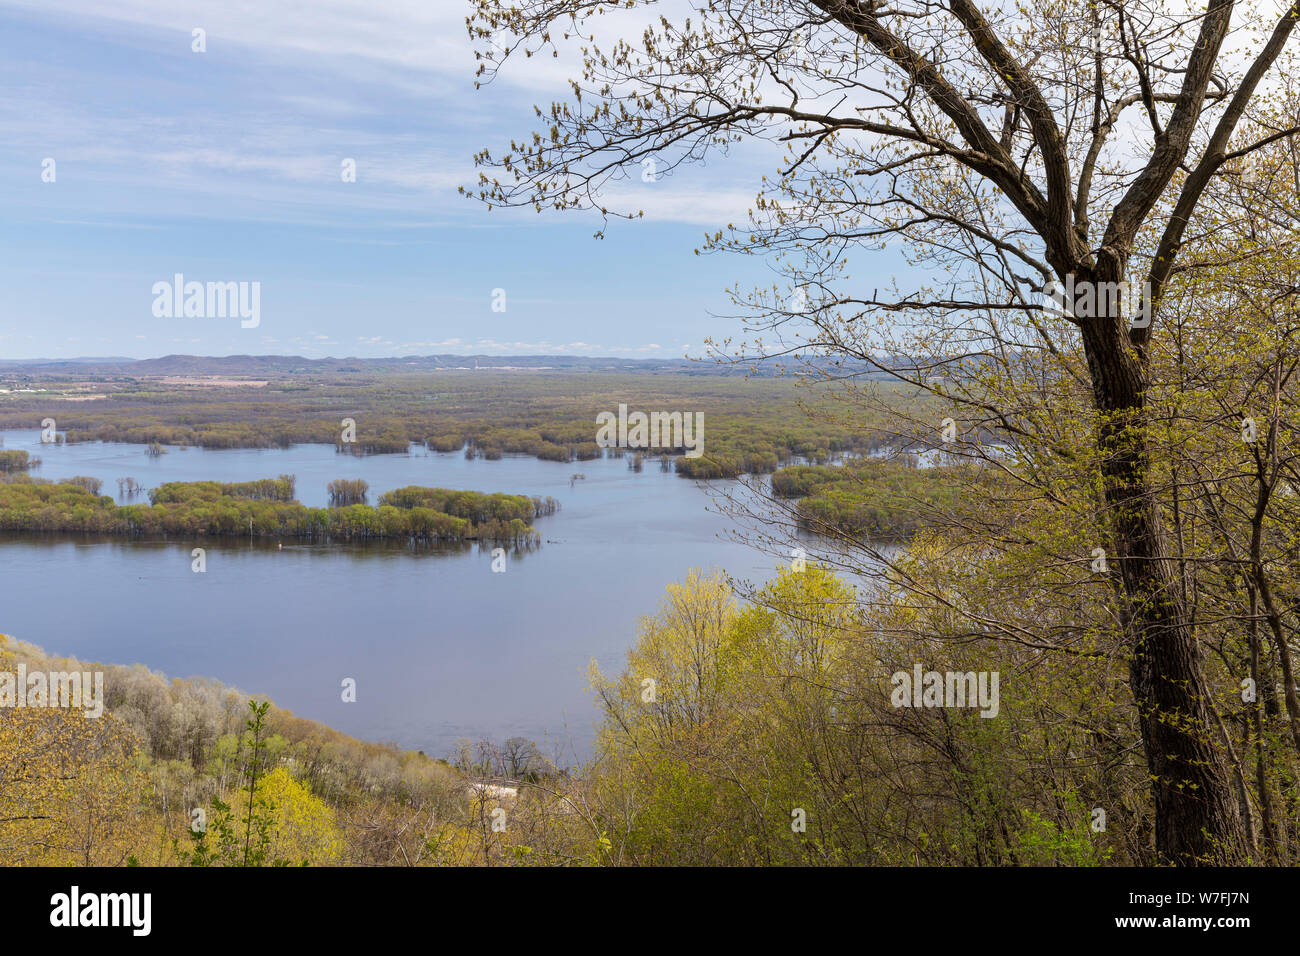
770 737
16 460
1046 842
230 847
871 497
263 489
479 508
266 508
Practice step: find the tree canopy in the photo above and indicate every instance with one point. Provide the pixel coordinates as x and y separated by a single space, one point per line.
1090 196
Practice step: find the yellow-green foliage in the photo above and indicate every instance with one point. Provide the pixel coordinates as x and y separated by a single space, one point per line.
777 713
305 829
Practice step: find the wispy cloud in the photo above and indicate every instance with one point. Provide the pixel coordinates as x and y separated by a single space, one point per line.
228 165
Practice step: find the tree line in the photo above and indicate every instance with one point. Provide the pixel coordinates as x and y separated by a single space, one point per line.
266 508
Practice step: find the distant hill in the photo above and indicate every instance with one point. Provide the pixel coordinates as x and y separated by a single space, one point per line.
113 360
278 366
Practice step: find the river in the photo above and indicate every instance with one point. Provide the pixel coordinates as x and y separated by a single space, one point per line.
439 645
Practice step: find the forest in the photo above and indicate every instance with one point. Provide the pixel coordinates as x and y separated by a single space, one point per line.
267 508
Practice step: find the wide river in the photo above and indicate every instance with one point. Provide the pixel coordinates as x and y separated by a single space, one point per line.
439 645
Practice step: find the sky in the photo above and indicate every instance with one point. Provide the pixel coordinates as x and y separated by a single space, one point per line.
226 166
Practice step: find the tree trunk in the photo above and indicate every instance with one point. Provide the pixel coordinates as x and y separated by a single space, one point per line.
1198 820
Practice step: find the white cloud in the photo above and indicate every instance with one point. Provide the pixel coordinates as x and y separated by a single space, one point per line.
694 205
414 35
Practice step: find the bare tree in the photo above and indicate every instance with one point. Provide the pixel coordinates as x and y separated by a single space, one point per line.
1012 148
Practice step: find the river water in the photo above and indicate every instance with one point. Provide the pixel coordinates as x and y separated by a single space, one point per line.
439 645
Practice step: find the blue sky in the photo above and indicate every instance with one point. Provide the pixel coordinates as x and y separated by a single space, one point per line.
225 166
